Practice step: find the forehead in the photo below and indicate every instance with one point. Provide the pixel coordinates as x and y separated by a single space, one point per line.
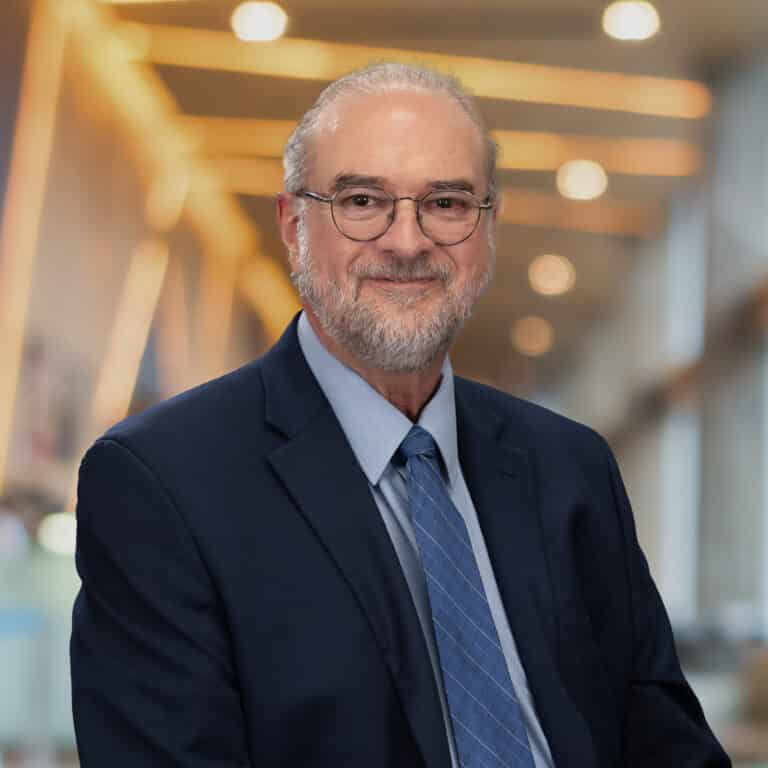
406 137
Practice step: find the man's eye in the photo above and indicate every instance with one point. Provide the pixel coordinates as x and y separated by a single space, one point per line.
447 203
361 201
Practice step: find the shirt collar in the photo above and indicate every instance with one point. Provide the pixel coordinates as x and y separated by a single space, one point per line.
372 425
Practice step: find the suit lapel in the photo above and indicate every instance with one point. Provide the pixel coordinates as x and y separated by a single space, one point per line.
322 476
500 480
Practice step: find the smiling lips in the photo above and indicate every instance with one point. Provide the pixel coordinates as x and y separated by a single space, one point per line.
415 283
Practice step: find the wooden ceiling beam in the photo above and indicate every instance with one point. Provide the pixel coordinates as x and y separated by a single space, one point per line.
529 208
486 78
110 51
262 177
520 150
538 151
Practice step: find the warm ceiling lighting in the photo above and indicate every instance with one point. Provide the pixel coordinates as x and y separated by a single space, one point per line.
582 180
263 177
130 330
257 176
131 41
542 151
551 274
25 197
631 20
532 208
165 201
532 336
520 150
486 78
259 22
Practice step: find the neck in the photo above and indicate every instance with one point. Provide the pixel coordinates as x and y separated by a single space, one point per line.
408 391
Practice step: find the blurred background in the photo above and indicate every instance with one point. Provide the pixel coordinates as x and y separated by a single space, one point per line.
140 149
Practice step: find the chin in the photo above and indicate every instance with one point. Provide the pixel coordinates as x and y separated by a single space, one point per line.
403 321
390 305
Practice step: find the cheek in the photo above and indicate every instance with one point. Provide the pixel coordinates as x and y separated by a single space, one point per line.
471 260
333 255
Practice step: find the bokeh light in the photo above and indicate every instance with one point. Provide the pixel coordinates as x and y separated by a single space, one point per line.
533 336
57 533
551 274
631 20
582 180
259 22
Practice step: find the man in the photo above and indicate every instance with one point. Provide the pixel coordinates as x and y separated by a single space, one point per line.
340 554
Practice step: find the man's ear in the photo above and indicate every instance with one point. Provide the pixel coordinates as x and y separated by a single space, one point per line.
288 223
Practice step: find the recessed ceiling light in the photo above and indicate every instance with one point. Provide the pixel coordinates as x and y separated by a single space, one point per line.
259 22
582 180
533 336
551 274
631 20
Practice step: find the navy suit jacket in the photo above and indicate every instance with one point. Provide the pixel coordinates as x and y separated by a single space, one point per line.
242 604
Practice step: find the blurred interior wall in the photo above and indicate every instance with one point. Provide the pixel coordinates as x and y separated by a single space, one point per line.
677 376
13 33
94 226
734 547
92 219
95 241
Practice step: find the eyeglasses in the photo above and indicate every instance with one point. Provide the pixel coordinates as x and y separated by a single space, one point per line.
446 216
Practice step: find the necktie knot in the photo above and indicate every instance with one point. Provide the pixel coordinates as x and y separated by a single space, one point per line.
418 442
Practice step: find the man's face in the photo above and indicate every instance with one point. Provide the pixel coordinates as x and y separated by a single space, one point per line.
395 302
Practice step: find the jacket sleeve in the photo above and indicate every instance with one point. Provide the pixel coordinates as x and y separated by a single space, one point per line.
665 725
153 680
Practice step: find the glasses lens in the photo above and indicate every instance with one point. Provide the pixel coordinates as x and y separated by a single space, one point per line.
362 213
449 216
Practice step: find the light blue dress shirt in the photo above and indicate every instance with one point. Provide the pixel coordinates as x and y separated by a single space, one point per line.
375 428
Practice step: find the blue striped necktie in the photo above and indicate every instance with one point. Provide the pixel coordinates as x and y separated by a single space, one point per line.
486 717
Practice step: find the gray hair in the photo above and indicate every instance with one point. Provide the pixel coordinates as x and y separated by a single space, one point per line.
380 78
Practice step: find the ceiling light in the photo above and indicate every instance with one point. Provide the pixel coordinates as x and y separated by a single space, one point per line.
56 533
259 22
533 336
551 274
631 20
582 180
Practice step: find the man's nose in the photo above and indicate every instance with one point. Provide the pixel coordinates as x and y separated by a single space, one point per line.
404 236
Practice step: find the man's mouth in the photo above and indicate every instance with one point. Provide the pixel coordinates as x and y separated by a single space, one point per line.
403 283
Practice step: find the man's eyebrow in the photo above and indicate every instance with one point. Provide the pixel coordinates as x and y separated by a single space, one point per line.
463 184
344 180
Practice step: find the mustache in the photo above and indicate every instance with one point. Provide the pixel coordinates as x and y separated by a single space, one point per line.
395 269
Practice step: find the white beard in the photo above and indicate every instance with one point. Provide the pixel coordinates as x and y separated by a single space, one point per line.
407 340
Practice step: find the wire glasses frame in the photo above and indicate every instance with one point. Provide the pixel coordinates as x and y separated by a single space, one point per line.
463 210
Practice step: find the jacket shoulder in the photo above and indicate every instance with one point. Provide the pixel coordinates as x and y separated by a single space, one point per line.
537 425
198 419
